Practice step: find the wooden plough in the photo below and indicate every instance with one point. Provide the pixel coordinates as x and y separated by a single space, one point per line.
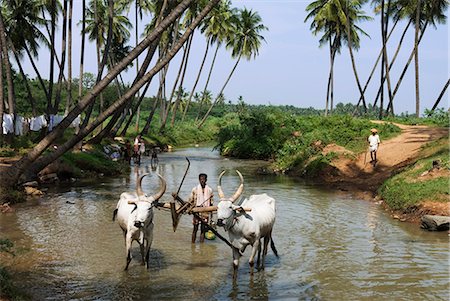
179 207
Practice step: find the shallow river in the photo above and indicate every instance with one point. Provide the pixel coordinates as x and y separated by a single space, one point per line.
331 246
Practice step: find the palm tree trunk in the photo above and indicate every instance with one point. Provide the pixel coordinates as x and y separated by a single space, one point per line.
27 84
397 51
354 66
83 39
6 63
13 173
438 100
69 60
329 80
174 88
44 161
220 94
416 58
1 94
148 122
180 88
207 82
397 86
198 77
38 74
52 56
63 60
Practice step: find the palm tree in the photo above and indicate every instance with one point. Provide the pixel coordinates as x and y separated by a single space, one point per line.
217 28
350 14
8 70
245 42
105 24
321 23
42 162
12 174
431 12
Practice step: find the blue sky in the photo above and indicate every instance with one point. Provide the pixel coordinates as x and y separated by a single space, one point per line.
291 69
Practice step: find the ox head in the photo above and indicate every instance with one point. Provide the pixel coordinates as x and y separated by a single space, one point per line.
143 206
226 210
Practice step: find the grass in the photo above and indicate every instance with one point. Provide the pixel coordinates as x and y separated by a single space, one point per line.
407 189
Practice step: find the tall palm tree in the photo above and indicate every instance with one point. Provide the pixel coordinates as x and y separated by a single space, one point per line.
117 105
105 24
217 28
22 21
8 70
350 14
245 42
431 12
318 12
12 174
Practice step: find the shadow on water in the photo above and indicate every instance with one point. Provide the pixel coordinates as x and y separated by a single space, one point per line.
331 246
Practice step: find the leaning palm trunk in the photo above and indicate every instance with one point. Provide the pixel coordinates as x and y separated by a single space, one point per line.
44 161
180 87
205 89
148 122
174 89
102 63
397 86
220 94
397 51
438 100
27 84
354 69
197 79
13 173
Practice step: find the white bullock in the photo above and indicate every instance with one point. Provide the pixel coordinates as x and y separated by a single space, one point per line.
249 226
135 216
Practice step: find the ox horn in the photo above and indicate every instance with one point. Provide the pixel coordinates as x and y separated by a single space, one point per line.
160 193
238 192
139 185
219 187
240 189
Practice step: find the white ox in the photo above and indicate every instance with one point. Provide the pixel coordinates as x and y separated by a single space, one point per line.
135 216
247 228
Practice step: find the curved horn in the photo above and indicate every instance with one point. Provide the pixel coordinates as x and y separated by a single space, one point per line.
160 193
139 185
219 187
240 189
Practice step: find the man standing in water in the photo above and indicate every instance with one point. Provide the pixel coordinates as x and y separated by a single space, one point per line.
201 196
374 141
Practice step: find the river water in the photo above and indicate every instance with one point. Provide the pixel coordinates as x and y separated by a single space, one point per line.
331 246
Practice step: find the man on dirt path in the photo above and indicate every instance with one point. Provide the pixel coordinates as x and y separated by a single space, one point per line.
374 141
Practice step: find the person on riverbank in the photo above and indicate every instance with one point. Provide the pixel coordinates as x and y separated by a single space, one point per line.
136 149
201 196
127 152
374 142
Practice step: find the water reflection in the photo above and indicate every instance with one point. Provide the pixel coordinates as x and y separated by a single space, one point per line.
331 247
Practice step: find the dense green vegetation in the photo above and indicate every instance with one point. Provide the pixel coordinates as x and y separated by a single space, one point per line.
292 139
409 187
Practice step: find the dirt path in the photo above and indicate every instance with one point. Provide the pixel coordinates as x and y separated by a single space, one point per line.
393 154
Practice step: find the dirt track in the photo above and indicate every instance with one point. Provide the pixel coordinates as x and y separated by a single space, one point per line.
360 177
393 154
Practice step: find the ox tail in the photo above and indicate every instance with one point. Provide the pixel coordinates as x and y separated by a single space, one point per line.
272 246
115 214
